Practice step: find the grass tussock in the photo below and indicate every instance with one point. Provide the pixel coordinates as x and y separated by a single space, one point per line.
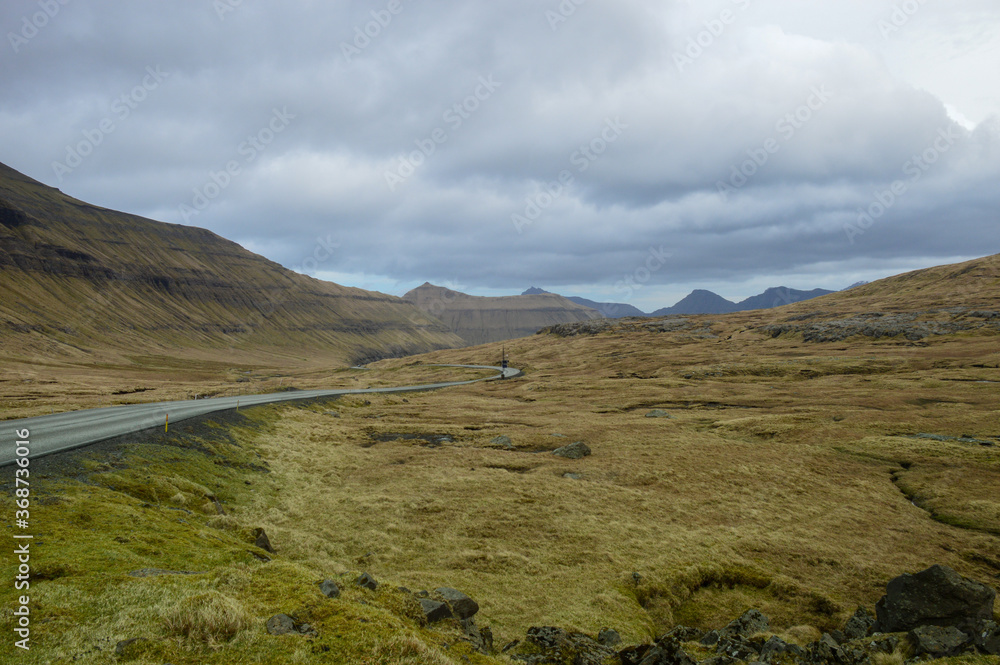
209 617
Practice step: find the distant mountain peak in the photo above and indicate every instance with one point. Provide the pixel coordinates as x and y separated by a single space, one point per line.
535 291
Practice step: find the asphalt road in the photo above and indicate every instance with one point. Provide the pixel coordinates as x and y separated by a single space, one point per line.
59 432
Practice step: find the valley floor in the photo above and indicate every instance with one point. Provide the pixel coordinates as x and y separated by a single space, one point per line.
793 477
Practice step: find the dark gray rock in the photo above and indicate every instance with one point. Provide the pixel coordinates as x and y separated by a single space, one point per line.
560 646
329 589
667 654
281 624
546 637
609 637
937 596
682 634
737 647
859 624
435 610
825 651
463 606
938 641
481 639
367 581
657 413
987 638
718 660
711 638
838 636
575 450
749 623
261 540
882 643
633 655
776 647
503 441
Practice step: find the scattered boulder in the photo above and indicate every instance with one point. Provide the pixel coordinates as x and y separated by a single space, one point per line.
859 624
609 637
329 589
261 540
575 450
463 606
938 641
435 610
682 634
667 653
749 623
776 647
573 476
367 581
503 441
937 596
826 650
481 639
658 413
737 647
633 655
546 644
987 638
281 624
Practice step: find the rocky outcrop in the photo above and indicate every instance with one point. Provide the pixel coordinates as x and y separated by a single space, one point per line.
912 326
907 611
937 596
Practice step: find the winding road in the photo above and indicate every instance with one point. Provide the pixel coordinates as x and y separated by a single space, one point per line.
60 432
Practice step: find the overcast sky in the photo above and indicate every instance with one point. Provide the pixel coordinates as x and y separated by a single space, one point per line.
625 150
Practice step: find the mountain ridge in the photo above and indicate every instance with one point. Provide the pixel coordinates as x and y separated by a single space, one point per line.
79 277
483 319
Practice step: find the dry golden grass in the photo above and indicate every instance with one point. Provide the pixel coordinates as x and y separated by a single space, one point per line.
789 478
772 485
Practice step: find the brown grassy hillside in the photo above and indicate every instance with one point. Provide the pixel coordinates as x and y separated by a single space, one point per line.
86 287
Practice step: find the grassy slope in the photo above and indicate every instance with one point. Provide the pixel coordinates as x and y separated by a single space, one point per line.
783 481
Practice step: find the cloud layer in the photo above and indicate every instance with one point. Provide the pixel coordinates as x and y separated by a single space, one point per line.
559 143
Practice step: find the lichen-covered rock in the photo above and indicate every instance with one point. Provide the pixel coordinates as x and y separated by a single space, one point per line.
329 589
938 641
859 624
463 606
749 623
367 581
546 644
435 610
575 450
987 638
609 637
281 624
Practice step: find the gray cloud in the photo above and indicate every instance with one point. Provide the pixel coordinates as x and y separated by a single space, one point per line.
414 145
